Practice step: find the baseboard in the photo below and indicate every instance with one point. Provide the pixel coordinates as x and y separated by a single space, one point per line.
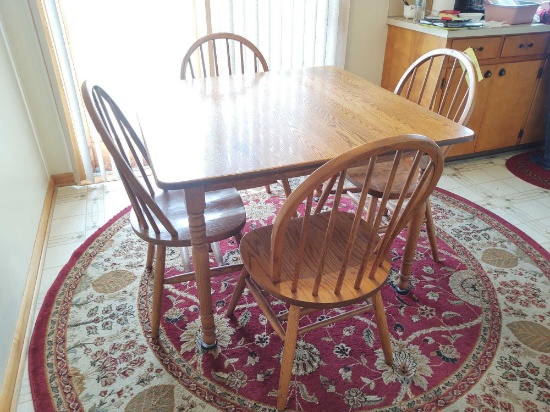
495 151
18 352
64 179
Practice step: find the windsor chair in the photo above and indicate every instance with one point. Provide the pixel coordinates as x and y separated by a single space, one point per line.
331 259
444 81
158 217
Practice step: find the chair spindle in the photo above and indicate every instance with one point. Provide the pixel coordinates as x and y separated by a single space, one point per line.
302 243
325 194
455 96
377 220
425 81
355 227
228 56
215 51
242 58
201 53
411 82
328 234
434 95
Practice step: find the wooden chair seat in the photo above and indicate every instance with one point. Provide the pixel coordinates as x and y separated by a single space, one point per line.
255 252
224 216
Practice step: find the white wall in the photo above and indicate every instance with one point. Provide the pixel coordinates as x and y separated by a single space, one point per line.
22 38
22 189
367 36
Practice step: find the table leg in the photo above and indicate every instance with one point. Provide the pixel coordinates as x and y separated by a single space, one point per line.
195 200
403 284
318 192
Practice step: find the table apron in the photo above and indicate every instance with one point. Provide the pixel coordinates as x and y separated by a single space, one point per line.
242 183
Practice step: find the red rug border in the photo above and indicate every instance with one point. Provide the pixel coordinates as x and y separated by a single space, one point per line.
514 169
35 359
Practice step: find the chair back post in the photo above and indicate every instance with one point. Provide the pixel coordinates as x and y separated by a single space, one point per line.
123 144
213 57
454 95
363 230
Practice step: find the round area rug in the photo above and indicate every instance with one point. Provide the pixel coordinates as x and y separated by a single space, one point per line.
474 335
523 167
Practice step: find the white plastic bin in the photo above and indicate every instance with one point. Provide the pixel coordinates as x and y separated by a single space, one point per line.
518 14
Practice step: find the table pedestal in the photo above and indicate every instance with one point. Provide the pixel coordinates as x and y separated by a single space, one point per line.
195 202
402 285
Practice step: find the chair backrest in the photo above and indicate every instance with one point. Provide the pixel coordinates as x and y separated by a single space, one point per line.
443 80
126 149
325 241
224 53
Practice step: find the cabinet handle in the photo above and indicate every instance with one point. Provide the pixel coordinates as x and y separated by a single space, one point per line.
526 45
478 49
488 74
502 72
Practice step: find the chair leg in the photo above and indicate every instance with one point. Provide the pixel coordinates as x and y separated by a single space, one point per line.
288 191
319 191
150 256
326 188
286 187
217 250
289 350
185 259
430 228
238 238
268 189
158 286
382 325
237 293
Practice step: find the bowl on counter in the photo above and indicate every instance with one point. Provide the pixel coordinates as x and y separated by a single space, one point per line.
471 16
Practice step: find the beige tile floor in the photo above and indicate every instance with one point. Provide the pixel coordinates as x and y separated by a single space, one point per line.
79 211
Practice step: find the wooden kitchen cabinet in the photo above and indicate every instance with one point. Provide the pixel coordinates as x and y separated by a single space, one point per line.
511 92
483 91
512 98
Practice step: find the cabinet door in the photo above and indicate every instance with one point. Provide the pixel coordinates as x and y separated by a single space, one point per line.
483 91
512 90
535 126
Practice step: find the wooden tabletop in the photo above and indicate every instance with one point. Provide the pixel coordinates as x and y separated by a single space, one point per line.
219 130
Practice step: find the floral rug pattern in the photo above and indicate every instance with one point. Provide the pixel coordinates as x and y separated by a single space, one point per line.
473 335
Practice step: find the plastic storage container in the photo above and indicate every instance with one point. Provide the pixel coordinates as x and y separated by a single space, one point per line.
438 5
520 13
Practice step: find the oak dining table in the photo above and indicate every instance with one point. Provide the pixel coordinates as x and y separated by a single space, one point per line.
246 131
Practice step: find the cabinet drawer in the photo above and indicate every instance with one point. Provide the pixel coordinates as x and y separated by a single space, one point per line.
524 45
484 47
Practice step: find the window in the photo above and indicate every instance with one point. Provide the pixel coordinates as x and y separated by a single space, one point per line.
120 44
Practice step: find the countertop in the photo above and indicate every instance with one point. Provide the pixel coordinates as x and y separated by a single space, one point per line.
484 31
